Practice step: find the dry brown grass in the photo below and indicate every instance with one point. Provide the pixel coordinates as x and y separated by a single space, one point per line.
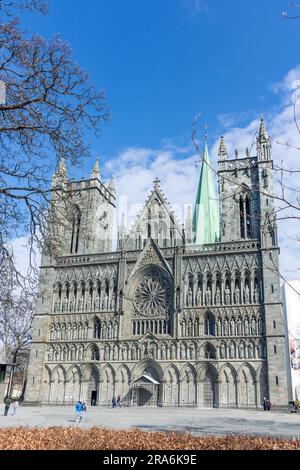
72 438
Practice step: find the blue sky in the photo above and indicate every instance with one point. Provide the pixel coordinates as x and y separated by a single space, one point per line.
161 62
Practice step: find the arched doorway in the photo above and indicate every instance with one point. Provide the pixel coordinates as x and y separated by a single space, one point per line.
93 388
208 390
146 387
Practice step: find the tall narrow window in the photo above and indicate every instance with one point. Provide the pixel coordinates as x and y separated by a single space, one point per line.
245 214
75 230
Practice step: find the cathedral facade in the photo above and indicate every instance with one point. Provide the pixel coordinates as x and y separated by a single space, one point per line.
176 315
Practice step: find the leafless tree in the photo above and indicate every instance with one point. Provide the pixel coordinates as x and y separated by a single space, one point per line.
47 103
17 304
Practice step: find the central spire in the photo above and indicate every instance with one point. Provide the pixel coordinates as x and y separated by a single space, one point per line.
206 225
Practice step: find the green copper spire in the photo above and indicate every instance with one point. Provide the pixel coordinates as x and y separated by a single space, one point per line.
206 222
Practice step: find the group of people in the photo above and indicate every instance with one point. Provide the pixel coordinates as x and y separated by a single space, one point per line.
80 408
267 404
116 401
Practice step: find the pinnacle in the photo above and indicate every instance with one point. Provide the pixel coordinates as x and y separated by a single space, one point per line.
96 171
222 149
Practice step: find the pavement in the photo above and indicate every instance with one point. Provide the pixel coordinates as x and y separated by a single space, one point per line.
197 421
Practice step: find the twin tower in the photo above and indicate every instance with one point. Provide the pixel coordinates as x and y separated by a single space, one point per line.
243 209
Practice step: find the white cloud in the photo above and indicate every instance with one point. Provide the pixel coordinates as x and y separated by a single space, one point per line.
135 169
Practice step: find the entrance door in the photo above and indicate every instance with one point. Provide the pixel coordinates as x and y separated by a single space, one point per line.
94 398
93 388
144 397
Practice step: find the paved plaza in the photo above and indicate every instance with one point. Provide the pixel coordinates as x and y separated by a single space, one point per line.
194 420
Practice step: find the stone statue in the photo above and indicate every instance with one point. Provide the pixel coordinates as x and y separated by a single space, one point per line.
256 294
246 294
241 350
250 351
222 351
226 327
96 302
231 351
218 296
208 296
104 301
199 297
190 297
178 297
260 326
232 327
246 327
239 326
50 354
227 295
52 330
219 327
253 326
237 297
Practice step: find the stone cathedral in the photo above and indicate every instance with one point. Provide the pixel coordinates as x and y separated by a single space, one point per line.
177 315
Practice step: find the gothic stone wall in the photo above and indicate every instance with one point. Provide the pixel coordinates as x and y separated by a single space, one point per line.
206 347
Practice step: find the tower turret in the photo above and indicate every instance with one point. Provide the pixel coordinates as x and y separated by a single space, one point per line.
263 144
96 174
222 150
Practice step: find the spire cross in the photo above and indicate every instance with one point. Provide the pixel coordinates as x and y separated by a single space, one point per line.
156 182
205 140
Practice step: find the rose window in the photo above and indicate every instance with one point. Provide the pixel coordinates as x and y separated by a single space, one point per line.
151 296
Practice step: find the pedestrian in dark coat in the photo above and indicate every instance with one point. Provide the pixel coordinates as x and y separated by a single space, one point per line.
265 404
7 403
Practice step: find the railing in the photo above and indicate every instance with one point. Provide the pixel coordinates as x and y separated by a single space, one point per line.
113 257
249 245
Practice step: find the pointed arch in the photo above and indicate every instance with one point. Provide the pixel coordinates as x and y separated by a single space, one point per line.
171 386
228 385
58 382
247 387
47 384
188 385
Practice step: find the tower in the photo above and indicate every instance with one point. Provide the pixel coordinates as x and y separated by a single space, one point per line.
248 213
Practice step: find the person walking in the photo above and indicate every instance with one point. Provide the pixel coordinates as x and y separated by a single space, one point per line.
15 404
114 403
7 403
269 405
119 401
79 410
265 404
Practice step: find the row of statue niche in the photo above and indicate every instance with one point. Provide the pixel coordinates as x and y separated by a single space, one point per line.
244 351
189 351
68 332
227 296
240 327
192 327
71 305
137 352
66 354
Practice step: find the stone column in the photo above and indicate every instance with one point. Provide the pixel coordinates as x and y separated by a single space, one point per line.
198 392
238 392
217 393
